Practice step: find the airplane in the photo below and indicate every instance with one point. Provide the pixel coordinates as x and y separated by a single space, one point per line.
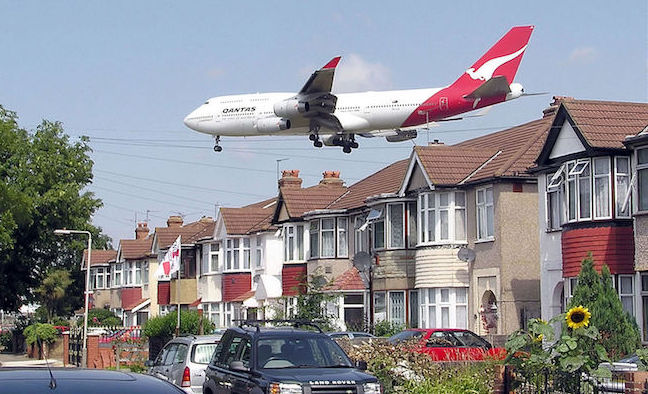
336 119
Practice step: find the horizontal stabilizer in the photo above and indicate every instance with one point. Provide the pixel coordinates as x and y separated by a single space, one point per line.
496 86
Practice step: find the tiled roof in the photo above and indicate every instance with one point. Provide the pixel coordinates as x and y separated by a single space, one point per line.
298 201
135 248
605 124
520 146
449 165
387 180
252 218
99 256
349 280
133 304
248 294
190 232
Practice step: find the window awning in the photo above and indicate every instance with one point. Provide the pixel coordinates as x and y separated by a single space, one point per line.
269 286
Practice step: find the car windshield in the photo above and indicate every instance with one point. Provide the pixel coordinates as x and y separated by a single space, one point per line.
202 353
405 335
304 352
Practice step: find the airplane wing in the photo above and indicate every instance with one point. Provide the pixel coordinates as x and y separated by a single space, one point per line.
321 81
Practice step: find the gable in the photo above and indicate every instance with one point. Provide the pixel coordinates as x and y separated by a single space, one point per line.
283 213
417 179
567 142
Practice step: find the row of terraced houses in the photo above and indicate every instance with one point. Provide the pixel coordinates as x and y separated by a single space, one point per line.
525 205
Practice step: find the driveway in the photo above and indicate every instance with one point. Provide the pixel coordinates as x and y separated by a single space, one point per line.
21 360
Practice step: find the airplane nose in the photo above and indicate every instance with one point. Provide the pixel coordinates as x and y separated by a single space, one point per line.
190 121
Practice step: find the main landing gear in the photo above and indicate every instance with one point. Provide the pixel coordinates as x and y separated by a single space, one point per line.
217 147
314 135
346 141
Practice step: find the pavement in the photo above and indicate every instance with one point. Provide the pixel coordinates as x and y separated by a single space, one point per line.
21 360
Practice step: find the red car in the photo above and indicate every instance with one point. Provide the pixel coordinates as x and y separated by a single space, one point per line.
449 344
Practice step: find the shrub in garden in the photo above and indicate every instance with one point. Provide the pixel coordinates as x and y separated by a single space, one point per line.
619 331
41 334
386 328
400 369
101 317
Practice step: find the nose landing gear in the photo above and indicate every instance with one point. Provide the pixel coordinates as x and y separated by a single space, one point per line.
217 147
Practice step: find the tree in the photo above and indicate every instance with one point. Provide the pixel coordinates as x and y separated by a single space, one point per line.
101 317
311 303
42 180
52 291
619 331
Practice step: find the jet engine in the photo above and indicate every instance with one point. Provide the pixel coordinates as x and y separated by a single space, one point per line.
402 135
516 91
272 125
290 108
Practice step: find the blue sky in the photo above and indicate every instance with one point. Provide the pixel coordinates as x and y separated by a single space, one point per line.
126 73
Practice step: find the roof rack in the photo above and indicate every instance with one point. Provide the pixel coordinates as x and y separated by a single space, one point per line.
293 322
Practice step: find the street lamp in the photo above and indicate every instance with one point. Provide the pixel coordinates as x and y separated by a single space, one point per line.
84 356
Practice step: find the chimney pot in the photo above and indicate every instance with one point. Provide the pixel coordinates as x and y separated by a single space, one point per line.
174 221
290 178
331 178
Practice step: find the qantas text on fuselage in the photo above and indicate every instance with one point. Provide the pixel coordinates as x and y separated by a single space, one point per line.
336 119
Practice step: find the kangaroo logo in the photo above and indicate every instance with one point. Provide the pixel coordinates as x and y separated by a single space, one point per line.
485 72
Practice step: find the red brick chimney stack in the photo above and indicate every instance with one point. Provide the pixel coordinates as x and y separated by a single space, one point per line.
553 107
331 178
142 230
174 221
290 178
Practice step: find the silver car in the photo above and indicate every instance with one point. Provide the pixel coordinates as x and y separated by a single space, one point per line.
183 360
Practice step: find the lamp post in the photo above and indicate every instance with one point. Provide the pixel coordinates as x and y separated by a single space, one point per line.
84 356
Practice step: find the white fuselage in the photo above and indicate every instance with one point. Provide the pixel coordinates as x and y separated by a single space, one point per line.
357 112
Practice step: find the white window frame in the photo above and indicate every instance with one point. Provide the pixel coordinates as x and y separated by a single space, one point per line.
433 236
390 228
137 270
374 224
294 252
431 297
342 236
361 237
330 232
258 258
619 199
214 257
482 209
558 193
390 307
118 270
630 295
246 253
314 238
214 312
603 177
639 168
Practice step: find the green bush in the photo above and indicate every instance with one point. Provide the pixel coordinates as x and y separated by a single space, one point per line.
385 328
102 317
5 340
40 332
164 326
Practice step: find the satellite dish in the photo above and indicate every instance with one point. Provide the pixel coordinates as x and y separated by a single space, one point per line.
319 281
362 261
466 254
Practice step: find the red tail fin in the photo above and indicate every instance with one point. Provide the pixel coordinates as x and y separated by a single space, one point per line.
502 59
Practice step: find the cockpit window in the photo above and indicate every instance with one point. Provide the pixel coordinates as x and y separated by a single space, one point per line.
207 102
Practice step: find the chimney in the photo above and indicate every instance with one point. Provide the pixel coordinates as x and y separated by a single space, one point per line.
174 221
206 219
290 178
142 230
553 107
331 178
435 142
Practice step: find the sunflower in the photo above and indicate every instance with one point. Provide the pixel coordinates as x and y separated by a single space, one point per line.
578 317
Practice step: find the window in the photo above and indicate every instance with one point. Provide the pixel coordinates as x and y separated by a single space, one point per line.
644 304
554 204
442 216
138 272
411 225
602 196
413 309
229 314
379 233
361 235
246 253
314 239
145 272
228 261
397 307
128 277
213 312
236 253
444 307
626 293
293 242
100 278
642 179
396 229
342 240
380 310
622 186
214 253
328 238
117 279
460 216
485 214
259 254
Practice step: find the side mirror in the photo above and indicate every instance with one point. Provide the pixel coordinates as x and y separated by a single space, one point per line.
238 366
361 365
149 363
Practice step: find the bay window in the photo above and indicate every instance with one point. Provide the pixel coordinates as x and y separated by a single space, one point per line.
602 195
293 242
329 238
444 307
100 278
442 216
128 273
621 186
396 233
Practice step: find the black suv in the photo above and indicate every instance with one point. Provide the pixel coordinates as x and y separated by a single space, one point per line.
283 360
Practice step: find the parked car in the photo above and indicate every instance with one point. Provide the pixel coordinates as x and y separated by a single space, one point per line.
183 360
255 359
34 380
449 344
350 335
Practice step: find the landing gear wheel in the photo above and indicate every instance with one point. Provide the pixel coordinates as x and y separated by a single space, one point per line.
354 145
346 149
217 147
317 144
312 137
